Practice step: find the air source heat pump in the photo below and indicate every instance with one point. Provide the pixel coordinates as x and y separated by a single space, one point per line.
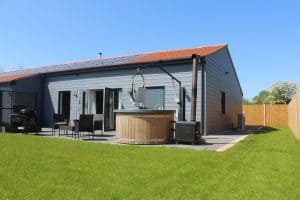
241 122
187 132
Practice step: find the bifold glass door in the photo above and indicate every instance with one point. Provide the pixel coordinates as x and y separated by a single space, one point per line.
64 101
109 109
111 102
102 102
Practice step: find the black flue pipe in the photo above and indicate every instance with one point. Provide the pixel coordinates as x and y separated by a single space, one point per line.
203 95
195 59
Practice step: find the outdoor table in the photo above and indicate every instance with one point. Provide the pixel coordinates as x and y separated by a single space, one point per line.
60 126
61 123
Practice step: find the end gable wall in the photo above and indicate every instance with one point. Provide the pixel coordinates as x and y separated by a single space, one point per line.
217 80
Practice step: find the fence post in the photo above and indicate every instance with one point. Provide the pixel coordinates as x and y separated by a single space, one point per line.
264 114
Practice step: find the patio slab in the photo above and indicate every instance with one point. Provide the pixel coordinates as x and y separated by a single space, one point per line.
216 142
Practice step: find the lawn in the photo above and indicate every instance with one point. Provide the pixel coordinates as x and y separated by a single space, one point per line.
266 165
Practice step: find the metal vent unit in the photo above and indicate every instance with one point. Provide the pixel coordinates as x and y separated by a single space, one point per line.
241 121
187 132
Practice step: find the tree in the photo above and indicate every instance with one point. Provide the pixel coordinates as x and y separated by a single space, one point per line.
262 97
282 92
246 101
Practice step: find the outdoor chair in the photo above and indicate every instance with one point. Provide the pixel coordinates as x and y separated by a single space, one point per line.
15 122
84 124
98 123
59 120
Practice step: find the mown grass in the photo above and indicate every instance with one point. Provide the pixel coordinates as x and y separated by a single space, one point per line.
264 166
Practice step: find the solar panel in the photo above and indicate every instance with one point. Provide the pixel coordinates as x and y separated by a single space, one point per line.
72 66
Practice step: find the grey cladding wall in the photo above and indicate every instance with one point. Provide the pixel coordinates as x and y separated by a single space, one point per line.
217 80
221 76
120 78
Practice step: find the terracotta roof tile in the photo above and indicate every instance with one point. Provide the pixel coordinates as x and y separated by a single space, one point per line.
4 79
178 54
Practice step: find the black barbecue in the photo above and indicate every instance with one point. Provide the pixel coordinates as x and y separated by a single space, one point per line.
25 121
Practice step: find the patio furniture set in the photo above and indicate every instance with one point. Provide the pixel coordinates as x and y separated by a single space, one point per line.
87 123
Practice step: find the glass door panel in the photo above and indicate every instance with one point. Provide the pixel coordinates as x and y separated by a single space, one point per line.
109 123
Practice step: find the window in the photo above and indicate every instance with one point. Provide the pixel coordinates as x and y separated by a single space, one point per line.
223 102
155 98
92 102
64 102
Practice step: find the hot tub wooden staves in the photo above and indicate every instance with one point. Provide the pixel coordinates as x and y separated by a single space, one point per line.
144 126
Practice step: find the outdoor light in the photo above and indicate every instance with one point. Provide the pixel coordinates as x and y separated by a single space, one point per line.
75 94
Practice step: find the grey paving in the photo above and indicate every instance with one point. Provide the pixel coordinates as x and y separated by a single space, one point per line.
216 142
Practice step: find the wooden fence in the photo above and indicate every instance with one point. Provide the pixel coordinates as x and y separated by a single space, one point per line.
266 115
294 115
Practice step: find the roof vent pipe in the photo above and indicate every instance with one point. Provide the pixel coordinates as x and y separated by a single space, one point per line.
195 59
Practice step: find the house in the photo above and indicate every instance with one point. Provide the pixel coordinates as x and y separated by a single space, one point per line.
101 85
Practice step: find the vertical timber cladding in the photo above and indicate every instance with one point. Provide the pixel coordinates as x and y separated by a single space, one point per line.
294 115
266 115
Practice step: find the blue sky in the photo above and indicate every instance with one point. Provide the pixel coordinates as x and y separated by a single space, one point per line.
263 36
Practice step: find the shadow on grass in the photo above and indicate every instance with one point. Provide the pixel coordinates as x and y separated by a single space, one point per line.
266 130
94 139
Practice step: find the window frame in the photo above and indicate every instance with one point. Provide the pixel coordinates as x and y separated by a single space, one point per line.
164 92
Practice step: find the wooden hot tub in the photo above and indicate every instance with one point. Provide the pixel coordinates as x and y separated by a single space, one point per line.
144 126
